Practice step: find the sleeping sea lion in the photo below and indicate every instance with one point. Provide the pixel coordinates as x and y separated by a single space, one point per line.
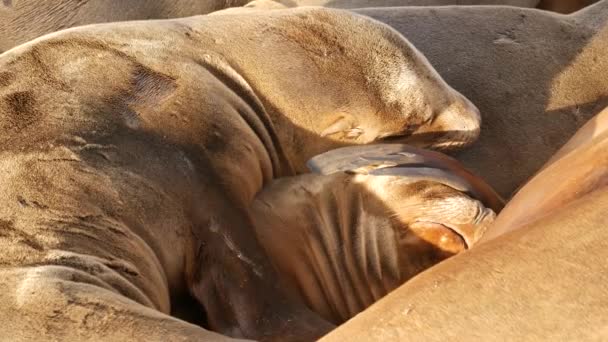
536 77
24 20
374 218
131 152
540 273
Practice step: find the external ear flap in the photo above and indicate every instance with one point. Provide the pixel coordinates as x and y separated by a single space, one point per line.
343 125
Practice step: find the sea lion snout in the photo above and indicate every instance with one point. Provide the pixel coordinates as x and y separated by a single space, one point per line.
455 126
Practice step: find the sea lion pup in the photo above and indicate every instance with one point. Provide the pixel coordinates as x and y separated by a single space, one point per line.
24 20
524 283
536 77
130 152
342 241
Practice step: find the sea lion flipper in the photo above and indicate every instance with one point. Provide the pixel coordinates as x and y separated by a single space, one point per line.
426 174
355 158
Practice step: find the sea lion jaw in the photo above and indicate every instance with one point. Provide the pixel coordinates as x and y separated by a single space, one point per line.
456 126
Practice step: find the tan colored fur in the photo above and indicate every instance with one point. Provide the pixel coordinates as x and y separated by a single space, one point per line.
24 20
340 242
577 169
560 6
535 76
545 282
541 274
130 151
352 4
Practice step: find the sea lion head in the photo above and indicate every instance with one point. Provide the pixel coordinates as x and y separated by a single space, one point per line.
331 78
400 97
441 206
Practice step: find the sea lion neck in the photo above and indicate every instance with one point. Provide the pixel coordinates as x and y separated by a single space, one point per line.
260 122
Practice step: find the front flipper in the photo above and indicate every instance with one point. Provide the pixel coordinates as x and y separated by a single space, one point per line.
361 157
399 159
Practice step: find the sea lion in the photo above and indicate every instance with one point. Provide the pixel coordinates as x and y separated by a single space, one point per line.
536 77
574 171
130 154
540 273
546 281
341 241
351 4
24 20
560 6
564 6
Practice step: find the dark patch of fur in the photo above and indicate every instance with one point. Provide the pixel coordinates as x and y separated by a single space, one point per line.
6 78
150 88
7 229
22 110
214 141
122 268
431 191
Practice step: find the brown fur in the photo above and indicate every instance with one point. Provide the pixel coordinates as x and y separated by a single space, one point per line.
129 152
564 6
342 241
24 20
536 77
560 6
577 169
541 275
545 282
351 4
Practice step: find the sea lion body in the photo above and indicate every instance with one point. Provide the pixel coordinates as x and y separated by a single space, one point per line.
559 6
576 170
525 286
495 57
523 281
24 20
131 152
341 241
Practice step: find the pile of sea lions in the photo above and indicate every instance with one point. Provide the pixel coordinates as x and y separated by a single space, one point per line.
295 170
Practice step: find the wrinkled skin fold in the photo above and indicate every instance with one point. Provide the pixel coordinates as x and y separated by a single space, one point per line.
539 273
341 241
131 152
